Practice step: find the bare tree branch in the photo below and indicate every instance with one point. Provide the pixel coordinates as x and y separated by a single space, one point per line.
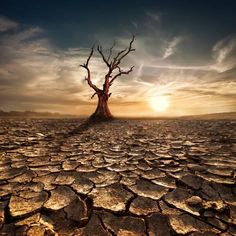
88 78
121 73
90 55
116 60
110 51
125 52
112 66
117 56
93 95
99 48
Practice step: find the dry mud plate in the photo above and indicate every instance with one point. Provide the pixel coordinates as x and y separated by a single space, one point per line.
117 178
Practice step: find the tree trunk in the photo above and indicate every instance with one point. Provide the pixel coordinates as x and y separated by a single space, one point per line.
102 112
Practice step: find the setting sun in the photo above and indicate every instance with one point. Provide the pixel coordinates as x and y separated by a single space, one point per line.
159 104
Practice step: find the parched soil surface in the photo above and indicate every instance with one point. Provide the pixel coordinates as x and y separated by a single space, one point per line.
127 177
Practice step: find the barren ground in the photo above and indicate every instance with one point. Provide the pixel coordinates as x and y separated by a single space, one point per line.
128 177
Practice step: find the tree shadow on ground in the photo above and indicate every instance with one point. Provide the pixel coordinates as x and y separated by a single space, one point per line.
86 124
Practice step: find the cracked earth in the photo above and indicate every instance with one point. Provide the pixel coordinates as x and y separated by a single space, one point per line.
128 177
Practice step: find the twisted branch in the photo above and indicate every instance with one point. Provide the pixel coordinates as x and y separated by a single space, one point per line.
121 73
112 66
88 78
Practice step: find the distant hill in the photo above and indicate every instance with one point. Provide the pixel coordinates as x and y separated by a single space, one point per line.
32 114
214 116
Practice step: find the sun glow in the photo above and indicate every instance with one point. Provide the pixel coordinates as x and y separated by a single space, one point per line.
159 103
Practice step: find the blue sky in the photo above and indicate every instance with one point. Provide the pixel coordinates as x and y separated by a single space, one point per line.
69 23
185 51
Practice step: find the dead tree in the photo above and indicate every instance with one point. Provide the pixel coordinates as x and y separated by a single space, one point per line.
114 71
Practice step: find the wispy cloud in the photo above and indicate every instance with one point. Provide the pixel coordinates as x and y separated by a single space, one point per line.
135 24
7 24
224 48
154 16
172 47
224 53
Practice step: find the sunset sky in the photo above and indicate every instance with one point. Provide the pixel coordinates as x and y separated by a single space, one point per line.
185 58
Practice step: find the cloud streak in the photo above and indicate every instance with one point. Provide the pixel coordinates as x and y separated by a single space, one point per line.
172 47
7 24
224 53
154 16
